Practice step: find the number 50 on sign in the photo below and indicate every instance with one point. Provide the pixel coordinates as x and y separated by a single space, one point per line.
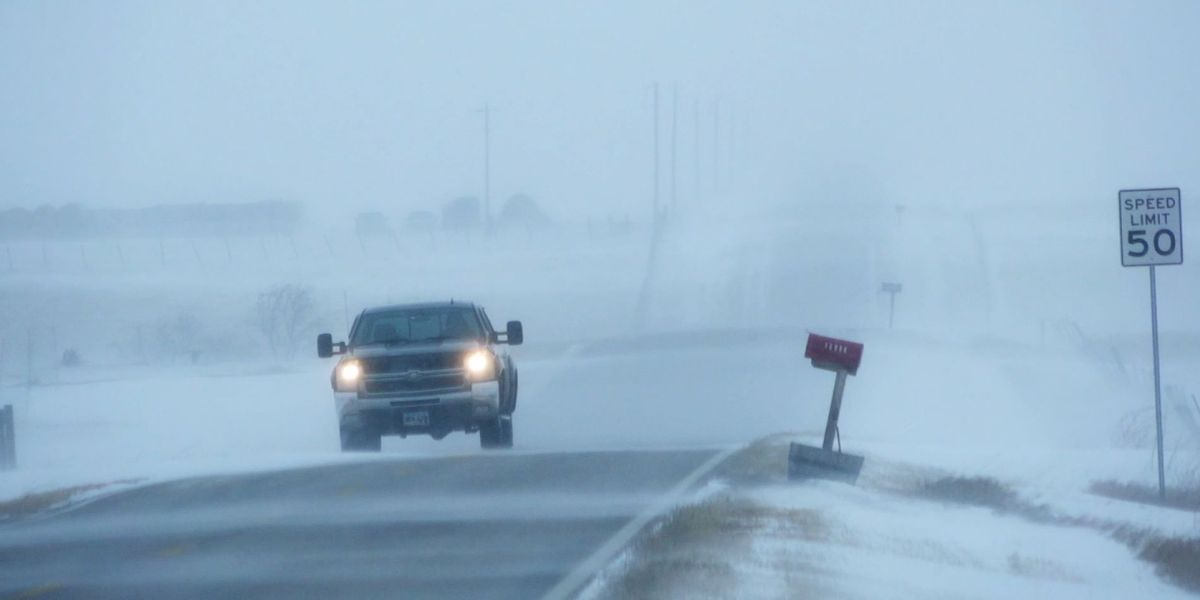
1151 227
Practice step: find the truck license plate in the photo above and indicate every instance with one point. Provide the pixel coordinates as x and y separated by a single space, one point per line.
416 419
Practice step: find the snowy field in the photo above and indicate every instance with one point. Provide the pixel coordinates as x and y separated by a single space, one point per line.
994 364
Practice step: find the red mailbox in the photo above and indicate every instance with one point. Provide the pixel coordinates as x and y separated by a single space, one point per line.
841 357
833 354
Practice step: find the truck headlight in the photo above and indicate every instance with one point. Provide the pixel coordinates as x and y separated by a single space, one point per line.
348 374
480 366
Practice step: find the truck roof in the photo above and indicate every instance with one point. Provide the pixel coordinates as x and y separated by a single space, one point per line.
418 305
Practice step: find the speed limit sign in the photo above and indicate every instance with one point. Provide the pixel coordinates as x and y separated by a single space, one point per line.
1152 235
1151 227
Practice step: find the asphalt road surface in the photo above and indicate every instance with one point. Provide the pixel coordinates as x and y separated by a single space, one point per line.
472 526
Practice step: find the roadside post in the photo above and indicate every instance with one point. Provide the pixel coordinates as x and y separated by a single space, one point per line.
1152 236
8 439
805 462
893 289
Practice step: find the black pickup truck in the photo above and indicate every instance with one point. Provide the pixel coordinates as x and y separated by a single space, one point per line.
424 369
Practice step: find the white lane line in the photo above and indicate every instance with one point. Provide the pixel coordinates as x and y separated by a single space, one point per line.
590 566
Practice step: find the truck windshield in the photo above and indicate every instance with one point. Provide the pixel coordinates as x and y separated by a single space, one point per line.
403 326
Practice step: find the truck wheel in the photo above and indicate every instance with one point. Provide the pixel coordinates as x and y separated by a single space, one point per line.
508 394
496 433
489 434
357 440
506 432
512 395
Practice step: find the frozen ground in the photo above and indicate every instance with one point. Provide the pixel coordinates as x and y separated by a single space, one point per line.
829 540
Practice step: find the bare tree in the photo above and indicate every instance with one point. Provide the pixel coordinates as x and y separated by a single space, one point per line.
179 336
285 314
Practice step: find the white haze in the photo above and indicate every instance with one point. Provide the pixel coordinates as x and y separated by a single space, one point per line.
1049 106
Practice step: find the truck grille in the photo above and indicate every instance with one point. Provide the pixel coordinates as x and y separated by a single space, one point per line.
416 384
412 362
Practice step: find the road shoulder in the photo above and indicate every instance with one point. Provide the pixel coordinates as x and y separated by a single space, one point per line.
902 531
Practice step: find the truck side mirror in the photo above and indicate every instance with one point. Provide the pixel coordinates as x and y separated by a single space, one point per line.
324 345
515 333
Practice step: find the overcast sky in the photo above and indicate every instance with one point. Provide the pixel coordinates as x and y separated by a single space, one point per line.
376 104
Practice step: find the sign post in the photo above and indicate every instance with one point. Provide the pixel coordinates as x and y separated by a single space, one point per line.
893 289
1152 235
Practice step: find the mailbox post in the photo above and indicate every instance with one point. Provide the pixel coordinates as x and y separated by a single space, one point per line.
843 358
835 410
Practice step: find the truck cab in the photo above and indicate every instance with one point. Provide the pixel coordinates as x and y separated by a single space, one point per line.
424 369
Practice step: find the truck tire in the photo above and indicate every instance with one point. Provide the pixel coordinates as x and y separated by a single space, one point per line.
506 432
510 401
489 434
505 392
357 440
496 433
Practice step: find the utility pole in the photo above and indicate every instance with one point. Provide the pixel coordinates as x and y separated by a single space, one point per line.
731 140
696 151
28 359
487 168
643 302
54 353
717 145
674 139
655 214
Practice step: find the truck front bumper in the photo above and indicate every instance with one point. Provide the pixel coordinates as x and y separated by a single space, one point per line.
434 414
